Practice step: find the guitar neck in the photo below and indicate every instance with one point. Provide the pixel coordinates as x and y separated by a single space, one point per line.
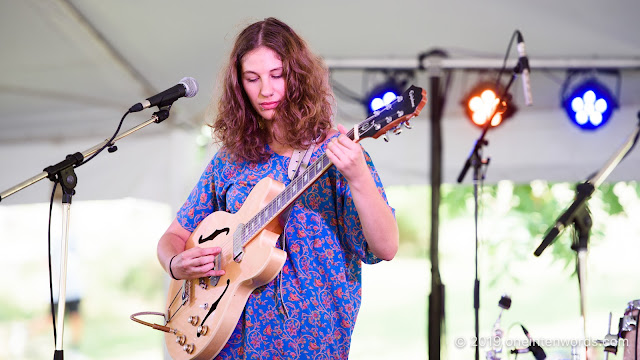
388 118
283 200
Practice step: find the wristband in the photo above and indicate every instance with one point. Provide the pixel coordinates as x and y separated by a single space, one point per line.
171 270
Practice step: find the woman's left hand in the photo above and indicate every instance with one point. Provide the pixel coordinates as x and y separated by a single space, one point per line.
378 223
347 156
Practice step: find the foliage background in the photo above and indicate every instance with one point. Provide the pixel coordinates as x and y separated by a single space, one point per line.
121 276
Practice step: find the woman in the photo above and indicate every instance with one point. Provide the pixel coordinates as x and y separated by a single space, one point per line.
276 99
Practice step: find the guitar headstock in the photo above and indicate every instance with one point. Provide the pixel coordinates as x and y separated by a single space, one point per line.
392 116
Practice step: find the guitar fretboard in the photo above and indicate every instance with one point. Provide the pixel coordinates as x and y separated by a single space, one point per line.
388 118
290 193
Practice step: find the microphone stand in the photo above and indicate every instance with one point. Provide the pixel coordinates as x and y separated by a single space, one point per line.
63 173
578 215
475 159
584 191
582 225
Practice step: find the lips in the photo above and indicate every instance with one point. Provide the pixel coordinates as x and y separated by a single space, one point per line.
269 105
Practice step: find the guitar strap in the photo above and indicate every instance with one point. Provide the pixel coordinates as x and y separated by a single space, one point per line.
298 163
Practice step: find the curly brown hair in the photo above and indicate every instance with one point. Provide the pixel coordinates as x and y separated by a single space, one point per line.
306 110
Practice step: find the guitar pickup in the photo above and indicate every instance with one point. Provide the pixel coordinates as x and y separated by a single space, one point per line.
238 241
213 280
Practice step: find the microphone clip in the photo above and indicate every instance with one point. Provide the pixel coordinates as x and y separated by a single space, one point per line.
162 114
523 64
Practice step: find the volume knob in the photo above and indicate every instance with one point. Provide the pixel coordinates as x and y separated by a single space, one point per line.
181 339
202 330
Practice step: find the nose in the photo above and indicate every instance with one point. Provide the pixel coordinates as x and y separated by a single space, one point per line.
267 88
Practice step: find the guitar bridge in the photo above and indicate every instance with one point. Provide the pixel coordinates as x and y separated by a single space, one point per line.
186 291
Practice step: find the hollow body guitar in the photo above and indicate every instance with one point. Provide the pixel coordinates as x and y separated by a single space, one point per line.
202 313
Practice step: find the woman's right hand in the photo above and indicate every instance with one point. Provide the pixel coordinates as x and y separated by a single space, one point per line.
196 262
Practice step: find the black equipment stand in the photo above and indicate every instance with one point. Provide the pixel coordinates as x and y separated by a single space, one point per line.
63 173
438 92
578 215
475 159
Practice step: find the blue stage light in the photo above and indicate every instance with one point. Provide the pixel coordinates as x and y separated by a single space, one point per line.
383 95
590 104
393 83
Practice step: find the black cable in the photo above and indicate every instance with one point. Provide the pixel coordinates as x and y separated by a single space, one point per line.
53 315
109 142
506 56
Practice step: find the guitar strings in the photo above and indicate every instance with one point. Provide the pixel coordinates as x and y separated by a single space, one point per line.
257 223
181 289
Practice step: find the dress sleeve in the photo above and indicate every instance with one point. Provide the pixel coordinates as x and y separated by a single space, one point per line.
351 232
200 202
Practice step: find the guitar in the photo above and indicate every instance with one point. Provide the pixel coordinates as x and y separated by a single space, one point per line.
202 313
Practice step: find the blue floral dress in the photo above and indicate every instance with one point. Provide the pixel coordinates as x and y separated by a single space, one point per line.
321 278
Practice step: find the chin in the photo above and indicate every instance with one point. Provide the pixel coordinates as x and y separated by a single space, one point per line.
267 115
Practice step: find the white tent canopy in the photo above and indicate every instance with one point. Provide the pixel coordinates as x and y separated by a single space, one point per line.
70 69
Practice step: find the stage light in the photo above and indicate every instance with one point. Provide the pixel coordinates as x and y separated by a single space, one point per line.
394 83
589 104
481 102
383 95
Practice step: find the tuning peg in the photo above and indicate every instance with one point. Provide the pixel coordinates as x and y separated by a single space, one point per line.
385 138
407 125
397 130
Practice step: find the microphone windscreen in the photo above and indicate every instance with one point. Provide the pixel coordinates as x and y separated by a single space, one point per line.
191 86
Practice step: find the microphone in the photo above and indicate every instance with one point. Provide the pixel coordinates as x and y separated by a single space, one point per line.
187 87
535 349
524 64
583 193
